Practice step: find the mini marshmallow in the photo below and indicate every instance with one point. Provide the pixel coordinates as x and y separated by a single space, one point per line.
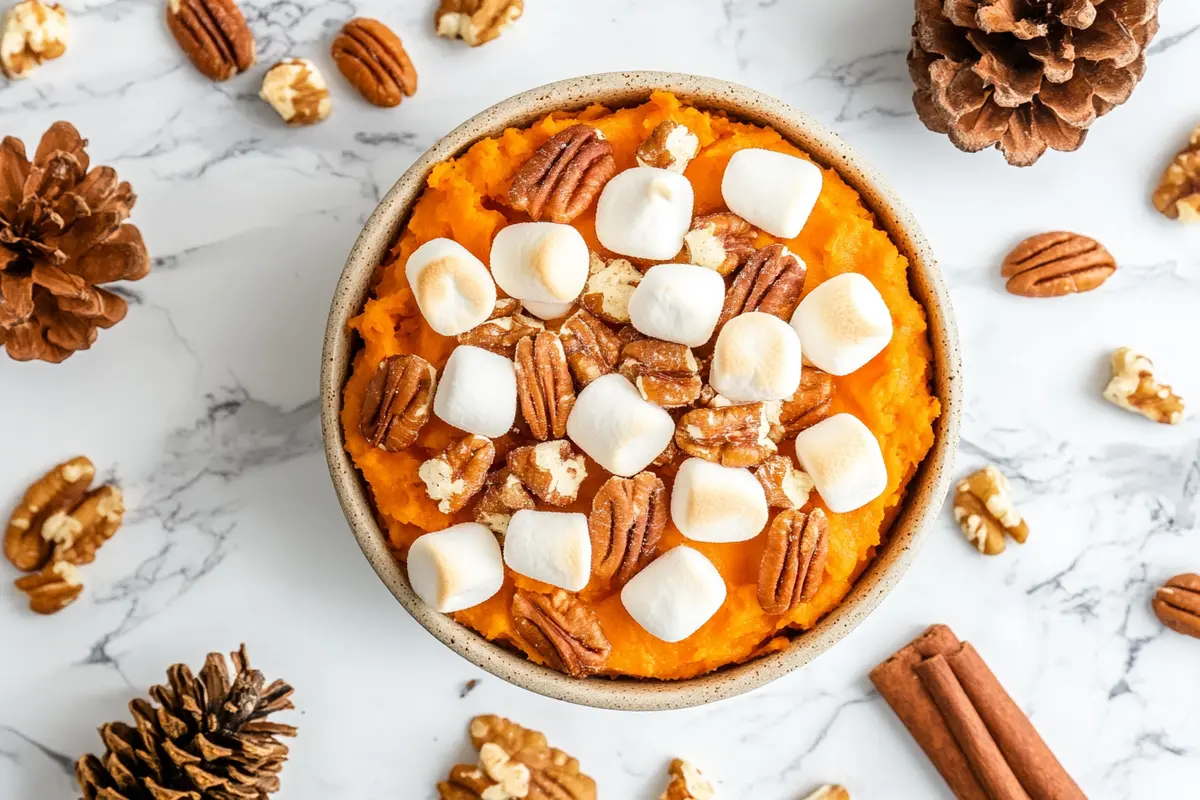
453 289
644 212
547 310
675 595
456 568
551 547
770 190
712 503
613 424
477 392
678 303
543 262
843 323
757 357
843 458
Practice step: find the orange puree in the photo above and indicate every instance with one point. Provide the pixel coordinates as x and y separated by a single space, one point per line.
466 201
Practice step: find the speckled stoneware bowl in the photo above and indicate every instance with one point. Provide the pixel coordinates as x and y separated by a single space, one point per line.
927 490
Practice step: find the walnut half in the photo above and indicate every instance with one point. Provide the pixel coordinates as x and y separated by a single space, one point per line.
687 783
1178 193
457 474
1134 388
551 470
984 510
476 22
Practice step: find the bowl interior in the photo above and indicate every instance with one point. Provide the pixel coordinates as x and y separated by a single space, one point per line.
926 491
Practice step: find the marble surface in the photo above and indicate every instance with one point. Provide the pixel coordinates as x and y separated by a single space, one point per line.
203 404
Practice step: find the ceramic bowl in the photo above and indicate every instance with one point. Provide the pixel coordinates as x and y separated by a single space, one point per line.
926 492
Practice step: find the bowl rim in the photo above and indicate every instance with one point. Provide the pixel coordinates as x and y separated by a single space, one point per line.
926 490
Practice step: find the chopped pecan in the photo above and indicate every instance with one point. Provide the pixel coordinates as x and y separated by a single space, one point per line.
721 241
687 783
1177 604
830 791
669 146
810 404
668 455
214 36
609 287
1178 193
553 775
32 33
984 510
733 436
626 523
476 22
397 402
784 485
503 495
770 281
1057 263
544 385
58 492
52 589
1135 388
664 373
551 470
564 176
457 474
501 332
793 564
563 630
373 60
592 348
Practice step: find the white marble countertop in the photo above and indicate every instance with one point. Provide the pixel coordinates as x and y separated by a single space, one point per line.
203 405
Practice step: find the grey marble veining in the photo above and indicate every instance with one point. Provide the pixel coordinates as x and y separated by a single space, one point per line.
202 404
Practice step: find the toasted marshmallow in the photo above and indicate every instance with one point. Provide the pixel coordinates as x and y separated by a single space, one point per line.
757 357
843 458
712 503
456 568
678 303
644 212
543 262
843 323
477 392
770 190
551 547
613 424
675 595
453 289
547 310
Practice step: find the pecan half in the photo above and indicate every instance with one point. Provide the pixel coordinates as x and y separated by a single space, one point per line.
57 492
721 241
770 281
373 60
733 436
609 286
213 35
626 523
503 494
501 332
669 146
784 485
1135 388
52 589
664 373
1177 604
476 22
563 630
544 385
1057 263
793 564
563 176
810 404
1178 193
398 401
592 348
457 474
984 509
687 783
551 470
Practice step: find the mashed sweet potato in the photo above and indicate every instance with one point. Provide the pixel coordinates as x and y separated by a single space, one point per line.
466 201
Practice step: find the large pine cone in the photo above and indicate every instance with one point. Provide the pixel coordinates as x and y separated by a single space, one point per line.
1025 75
208 739
61 234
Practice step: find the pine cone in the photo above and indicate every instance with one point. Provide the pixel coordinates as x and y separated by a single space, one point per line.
1025 75
61 235
208 739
